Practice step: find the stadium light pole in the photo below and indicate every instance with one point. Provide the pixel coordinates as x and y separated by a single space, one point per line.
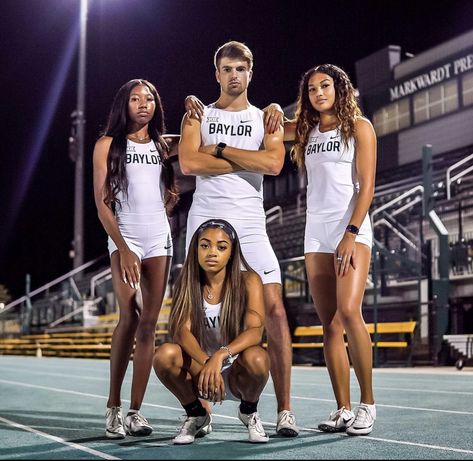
77 143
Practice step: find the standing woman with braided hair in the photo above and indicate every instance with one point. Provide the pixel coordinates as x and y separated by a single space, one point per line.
337 147
133 187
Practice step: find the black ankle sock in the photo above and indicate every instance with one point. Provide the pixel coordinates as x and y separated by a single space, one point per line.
194 408
248 407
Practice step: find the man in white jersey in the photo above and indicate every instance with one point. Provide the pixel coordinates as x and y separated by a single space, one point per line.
224 151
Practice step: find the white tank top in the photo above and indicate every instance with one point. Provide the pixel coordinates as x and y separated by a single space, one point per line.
332 184
234 195
143 169
212 325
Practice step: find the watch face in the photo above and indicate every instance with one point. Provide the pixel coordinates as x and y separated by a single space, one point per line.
353 229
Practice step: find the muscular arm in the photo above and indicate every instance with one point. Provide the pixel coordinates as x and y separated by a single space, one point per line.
268 161
194 161
289 130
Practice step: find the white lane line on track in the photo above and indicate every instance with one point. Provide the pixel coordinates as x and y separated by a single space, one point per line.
73 445
295 397
365 437
376 387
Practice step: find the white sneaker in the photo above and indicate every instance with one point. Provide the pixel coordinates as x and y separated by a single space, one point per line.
114 423
136 424
286 425
365 416
255 428
194 426
338 421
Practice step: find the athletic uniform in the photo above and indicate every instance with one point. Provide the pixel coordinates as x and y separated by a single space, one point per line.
142 217
332 189
236 197
212 324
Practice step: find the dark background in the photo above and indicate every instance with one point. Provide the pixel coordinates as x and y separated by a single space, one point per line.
171 43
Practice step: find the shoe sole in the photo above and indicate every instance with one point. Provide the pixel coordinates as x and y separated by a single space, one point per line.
140 433
259 441
326 428
365 432
113 435
286 432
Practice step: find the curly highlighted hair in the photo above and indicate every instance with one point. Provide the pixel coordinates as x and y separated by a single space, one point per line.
346 108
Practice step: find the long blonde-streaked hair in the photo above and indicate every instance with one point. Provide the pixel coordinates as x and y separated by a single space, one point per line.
346 108
187 301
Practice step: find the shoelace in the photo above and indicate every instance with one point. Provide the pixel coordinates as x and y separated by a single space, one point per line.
186 425
362 415
117 419
334 415
256 423
289 417
138 418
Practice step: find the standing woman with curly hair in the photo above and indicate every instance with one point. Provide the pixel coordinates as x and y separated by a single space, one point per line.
337 147
133 186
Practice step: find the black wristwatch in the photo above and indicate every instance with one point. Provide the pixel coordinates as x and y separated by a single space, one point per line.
352 229
219 149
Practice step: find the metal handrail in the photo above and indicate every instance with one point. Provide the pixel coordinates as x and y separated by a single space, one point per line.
395 200
50 284
397 232
95 278
450 180
276 213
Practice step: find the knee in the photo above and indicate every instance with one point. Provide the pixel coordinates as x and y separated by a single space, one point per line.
146 331
165 358
255 360
350 314
333 329
128 318
276 313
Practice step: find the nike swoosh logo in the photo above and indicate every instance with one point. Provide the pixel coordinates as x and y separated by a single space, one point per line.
268 272
167 247
155 150
334 137
245 121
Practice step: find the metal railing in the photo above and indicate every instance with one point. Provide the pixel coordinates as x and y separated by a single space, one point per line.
274 213
49 285
450 179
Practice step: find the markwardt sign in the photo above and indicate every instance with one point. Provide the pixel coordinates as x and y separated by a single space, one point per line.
434 76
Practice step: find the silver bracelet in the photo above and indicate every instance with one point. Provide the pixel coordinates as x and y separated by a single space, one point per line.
229 352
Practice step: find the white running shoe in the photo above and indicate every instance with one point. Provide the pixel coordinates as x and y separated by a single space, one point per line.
114 423
136 424
365 416
338 421
255 428
194 426
286 425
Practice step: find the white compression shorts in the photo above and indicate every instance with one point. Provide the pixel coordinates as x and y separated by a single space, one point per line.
254 242
324 237
147 235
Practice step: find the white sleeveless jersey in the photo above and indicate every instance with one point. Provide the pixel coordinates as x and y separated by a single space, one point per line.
332 184
234 195
143 169
212 325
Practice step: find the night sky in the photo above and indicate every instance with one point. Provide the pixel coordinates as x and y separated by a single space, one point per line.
171 43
